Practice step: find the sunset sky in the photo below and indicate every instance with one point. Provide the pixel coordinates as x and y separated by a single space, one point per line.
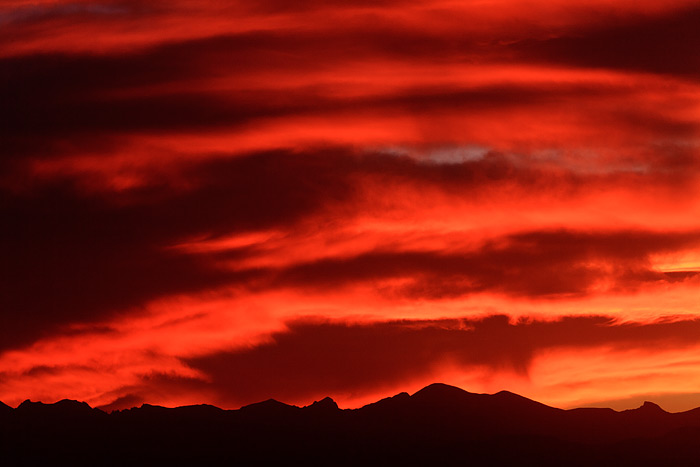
225 202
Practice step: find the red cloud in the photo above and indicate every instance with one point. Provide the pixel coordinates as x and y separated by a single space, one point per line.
303 159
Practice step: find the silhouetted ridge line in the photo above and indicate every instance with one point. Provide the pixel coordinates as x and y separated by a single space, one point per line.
326 404
440 424
650 407
268 408
441 390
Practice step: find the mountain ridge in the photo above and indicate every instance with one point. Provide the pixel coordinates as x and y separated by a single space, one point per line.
438 424
439 389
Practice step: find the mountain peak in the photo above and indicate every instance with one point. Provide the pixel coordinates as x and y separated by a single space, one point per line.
62 408
69 404
650 407
440 390
152 408
28 403
324 404
647 408
268 406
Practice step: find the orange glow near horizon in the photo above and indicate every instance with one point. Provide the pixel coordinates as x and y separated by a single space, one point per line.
221 202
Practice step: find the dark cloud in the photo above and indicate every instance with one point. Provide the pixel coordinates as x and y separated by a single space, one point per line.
313 359
32 14
68 257
304 6
659 44
545 264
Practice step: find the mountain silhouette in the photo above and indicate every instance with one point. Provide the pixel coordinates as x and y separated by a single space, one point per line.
438 425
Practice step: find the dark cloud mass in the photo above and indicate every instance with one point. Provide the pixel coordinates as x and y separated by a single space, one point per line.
535 264
315 358
661 44
90 256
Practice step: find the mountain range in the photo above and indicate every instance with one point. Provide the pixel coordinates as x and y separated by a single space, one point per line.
438 425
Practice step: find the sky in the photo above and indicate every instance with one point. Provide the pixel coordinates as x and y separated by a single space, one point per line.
225 202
